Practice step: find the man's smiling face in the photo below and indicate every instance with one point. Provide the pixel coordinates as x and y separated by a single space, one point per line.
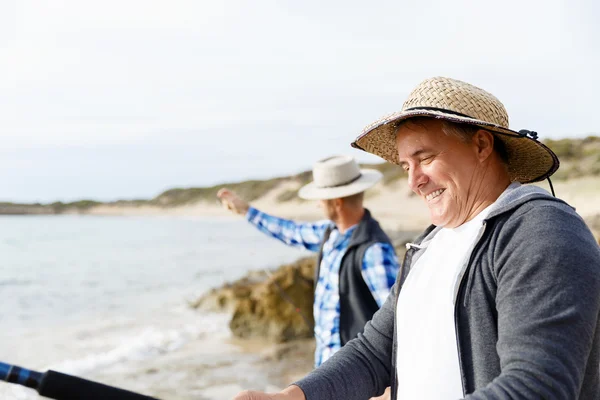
443 170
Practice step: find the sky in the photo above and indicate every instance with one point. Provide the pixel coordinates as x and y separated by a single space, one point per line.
125 99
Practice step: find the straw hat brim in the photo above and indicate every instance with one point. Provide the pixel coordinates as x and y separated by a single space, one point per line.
528 160
368 178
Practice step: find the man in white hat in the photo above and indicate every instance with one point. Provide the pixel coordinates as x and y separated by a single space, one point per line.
356 266
500 297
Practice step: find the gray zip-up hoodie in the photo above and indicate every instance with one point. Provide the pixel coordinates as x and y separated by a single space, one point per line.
526 312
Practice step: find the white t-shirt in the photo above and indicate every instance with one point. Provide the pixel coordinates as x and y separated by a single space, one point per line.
427 358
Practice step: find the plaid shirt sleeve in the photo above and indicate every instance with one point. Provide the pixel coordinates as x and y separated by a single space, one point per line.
379 270
303 235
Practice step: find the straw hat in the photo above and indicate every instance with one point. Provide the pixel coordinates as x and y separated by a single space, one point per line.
336 177
456 101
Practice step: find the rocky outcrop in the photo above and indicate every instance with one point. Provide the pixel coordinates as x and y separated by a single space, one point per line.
273 305
225 298
280 308
276 305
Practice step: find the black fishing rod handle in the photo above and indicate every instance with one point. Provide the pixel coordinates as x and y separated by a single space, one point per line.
59 386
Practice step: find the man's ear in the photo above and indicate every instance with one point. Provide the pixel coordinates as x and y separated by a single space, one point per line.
338 203
484 144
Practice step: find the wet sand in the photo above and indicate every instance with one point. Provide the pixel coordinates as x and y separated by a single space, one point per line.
214 367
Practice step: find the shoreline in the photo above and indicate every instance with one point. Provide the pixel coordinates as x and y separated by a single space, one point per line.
394 205
208 368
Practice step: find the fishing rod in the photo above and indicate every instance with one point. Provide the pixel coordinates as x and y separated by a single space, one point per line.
59 386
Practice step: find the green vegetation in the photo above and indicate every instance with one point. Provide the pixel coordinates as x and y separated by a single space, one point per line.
53 208
578 157
249 190
81 205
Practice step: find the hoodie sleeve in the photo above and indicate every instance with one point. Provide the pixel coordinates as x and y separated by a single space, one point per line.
547 268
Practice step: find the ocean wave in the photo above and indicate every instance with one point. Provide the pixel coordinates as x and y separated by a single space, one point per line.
148 342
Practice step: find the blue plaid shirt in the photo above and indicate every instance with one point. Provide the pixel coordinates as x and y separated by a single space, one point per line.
379 269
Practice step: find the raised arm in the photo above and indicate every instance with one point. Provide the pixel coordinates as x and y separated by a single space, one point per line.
303 235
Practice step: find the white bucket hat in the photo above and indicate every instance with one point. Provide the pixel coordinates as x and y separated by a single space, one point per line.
336 177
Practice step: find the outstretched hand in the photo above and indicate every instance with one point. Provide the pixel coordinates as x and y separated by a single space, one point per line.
290 393
232 201
254 395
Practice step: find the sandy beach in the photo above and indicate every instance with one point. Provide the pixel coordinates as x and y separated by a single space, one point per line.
219 368
395 206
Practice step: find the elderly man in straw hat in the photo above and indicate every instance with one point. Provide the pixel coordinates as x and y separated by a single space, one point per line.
500 297
357 264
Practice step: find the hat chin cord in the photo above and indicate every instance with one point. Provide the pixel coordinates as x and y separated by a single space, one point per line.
534 136
551 187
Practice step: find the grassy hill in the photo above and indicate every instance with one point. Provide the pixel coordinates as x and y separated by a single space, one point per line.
578 157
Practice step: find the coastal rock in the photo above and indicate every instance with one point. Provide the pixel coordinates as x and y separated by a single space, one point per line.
273 305
225 298
280 308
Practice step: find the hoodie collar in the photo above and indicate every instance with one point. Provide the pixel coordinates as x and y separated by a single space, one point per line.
514 196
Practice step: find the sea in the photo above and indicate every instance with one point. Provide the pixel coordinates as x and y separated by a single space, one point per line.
107 298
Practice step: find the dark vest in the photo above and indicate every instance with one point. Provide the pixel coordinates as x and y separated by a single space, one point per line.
357 304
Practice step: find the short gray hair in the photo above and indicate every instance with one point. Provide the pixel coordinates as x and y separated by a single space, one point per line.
464 132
